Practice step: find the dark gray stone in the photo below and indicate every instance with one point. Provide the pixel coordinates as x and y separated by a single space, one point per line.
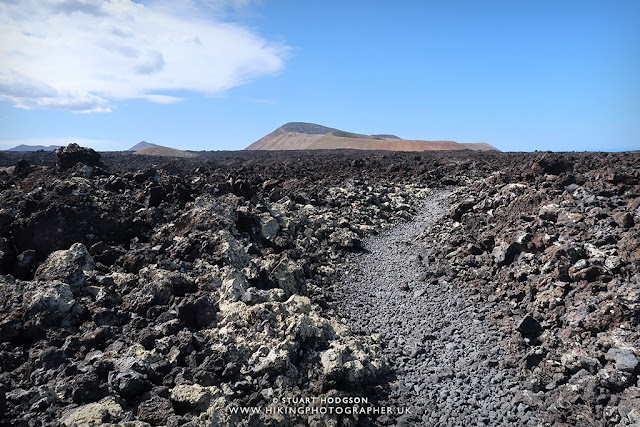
529 326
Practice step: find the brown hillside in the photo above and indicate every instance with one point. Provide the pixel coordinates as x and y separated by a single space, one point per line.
291 136
283 140
304 136
479 146
140 145
386 136
333 142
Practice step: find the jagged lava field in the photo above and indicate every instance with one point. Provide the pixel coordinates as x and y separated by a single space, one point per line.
319 287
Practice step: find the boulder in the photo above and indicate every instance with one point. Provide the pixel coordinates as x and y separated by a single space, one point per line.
529 326
25 265
232 251
623 219
155 411
333 361
105 254
180 284
94 414
624 359
234 287
197 311
255 296
344 238
193 397
462 208
51 301
128 384
289 276
504 252
549 212
274 363
67 157
268 226
70 266
87 388
554 166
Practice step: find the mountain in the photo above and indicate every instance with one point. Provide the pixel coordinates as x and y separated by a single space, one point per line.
336 140
307 128
310 136
479 146
292 136
159 150
23 147
140 145
385 136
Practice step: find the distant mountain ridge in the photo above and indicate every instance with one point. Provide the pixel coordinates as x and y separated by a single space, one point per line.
385 136
140 145
307 128
343 140
291 136
479 146
311 136
24 147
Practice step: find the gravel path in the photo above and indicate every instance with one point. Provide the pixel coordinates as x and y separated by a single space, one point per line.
439 339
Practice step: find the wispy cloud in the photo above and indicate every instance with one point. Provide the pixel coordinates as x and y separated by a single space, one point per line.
260 100
85 55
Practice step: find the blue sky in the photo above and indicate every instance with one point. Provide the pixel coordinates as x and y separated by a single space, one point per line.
219 74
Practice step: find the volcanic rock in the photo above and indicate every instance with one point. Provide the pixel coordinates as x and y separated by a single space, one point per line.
107 410
624 359
344 238
184 306
49 302
87 388
269 226
187 398
155 411
128 384
67 157
529 326
462 208
25 265
70 266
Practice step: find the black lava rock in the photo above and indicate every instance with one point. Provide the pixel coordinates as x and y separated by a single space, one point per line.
529 327
128 384
67 157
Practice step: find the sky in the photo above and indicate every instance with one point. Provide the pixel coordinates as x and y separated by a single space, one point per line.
561 75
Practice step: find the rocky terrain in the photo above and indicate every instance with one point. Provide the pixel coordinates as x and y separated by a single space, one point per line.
554 247
160 151
149 291
437 336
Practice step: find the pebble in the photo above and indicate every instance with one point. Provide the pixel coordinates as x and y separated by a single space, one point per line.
453 393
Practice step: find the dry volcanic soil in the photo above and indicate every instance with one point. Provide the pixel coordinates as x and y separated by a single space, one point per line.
328 288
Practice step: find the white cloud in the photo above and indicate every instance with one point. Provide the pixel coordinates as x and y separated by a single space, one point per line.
162 99
84 55
260 100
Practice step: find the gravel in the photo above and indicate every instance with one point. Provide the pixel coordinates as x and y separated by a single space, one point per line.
440 343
